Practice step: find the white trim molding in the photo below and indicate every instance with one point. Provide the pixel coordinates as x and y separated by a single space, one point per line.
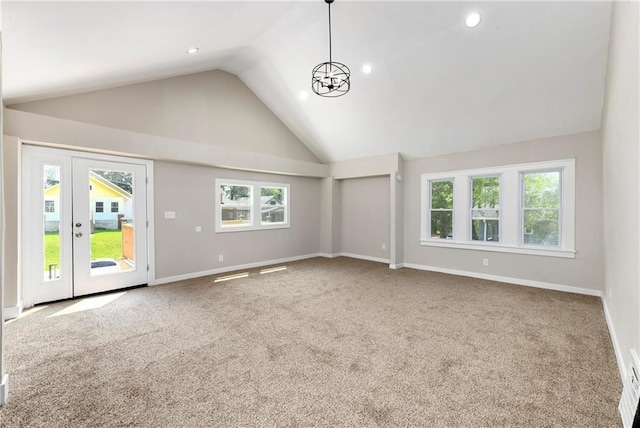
514 249
234 268
12 312
614 339
330 256
4 389
362 257
509 280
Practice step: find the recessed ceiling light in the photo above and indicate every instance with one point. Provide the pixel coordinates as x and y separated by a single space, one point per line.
191 51
473 19
304 95
367 68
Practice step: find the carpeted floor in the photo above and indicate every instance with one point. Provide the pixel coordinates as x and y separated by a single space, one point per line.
338 342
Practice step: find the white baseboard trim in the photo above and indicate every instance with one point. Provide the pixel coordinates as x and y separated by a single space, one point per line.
169 279
330 256
396 266
4 389
614 340
12 312
509 280
369 258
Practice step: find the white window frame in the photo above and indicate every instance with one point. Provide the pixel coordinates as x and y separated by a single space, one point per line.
470 237
53 206
522 208
510 214
256 206
96 207
429 208
285 204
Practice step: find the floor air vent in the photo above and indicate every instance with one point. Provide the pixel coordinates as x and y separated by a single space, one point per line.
630 393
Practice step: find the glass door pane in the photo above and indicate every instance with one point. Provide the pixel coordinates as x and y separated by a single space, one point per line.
110 225
46 232
53 257
111 217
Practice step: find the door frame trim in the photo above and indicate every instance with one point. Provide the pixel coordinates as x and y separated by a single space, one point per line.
27 290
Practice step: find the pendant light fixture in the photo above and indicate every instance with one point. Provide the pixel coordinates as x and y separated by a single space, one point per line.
330 79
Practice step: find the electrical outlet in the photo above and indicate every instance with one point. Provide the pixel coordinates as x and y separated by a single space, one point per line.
485 262
384 246
170 215
198 228
220 258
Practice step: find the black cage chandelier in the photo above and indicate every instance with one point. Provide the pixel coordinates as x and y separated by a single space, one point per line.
330 79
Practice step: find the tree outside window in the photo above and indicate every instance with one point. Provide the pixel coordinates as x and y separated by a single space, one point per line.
441 210
485 209
541 208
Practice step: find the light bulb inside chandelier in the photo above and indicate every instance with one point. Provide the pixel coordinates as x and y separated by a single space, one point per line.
330 79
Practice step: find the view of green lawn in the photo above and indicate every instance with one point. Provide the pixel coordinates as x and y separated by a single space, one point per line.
104 244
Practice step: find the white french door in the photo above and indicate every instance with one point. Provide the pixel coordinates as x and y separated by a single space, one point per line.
85 228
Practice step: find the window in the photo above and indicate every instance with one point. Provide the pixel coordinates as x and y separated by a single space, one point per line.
541 208
115 207
441 209
485 209
236 202
236 205
273 202
99 207
49 206
523 209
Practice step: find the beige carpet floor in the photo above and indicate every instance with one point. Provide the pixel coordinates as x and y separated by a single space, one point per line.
339 342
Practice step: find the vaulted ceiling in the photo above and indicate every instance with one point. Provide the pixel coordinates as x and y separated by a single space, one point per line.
529 70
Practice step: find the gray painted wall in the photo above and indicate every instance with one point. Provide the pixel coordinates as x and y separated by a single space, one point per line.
212 107
12 206
190 191
621 178
330 223
2 250
585 271
365 215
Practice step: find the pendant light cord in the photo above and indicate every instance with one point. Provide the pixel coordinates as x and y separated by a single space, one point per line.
330 34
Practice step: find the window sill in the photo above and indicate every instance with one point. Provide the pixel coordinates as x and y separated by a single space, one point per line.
514 249
252 228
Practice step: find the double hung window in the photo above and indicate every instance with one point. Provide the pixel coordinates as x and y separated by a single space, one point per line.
525 208
251 205
441 209
485 209
541 208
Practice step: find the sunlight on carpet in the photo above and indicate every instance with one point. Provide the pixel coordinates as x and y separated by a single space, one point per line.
27 313
230 277
274 269
88 304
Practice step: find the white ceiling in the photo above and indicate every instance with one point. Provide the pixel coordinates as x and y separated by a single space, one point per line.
529 70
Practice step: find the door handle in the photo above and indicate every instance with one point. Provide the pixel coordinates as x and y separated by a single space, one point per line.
78 234
78 224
